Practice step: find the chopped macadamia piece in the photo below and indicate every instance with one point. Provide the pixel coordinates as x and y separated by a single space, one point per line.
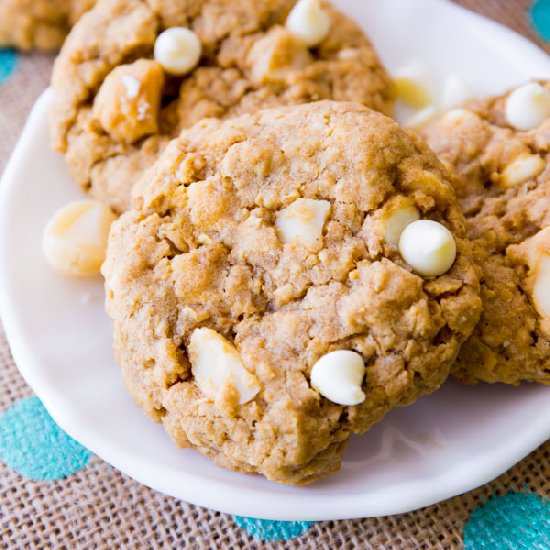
276 55
413 85
75 238
539 271
399 216
522 169
127 104
302 221
218 368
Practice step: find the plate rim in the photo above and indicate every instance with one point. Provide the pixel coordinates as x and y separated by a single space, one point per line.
462 478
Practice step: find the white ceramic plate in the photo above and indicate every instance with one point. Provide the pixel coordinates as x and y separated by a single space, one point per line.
446 444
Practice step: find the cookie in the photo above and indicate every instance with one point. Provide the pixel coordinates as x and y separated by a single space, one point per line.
262 310
116 108
501 148
42 24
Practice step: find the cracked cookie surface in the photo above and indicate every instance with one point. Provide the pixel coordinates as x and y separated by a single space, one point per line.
204 247
249 61
504 194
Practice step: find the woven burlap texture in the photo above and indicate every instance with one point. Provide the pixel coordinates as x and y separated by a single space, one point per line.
99 507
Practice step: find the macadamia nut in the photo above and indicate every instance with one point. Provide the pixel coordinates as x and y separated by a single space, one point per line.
218 369
302 221
522 169
75 239
396 222
276 55
539 271
413 85
128 102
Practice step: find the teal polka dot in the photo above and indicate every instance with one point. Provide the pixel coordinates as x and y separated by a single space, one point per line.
33 445
510 522
269 530
8 63
540 18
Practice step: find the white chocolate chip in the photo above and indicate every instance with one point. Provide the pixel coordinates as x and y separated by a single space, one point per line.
413 85
428 247
75 238
455 92
178 50
397 221
528 107
421 118
217 367
308 22
302 221
522 169
338 376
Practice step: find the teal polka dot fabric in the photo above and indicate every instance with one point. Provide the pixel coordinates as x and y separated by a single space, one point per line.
34 446
540 18
8 63
516 521
269 530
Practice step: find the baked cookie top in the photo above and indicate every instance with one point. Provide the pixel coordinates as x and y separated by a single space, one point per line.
260 245
42 24
501 148
116 107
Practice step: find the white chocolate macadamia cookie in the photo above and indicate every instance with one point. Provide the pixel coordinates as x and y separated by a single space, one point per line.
262 309
134 73
501 148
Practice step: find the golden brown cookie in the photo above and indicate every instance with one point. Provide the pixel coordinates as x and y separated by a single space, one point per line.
260 245
249 61
505 197
42 24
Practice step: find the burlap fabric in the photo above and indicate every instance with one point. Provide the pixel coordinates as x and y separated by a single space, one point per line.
100 508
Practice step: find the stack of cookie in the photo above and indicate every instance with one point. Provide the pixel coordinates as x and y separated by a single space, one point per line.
290 264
